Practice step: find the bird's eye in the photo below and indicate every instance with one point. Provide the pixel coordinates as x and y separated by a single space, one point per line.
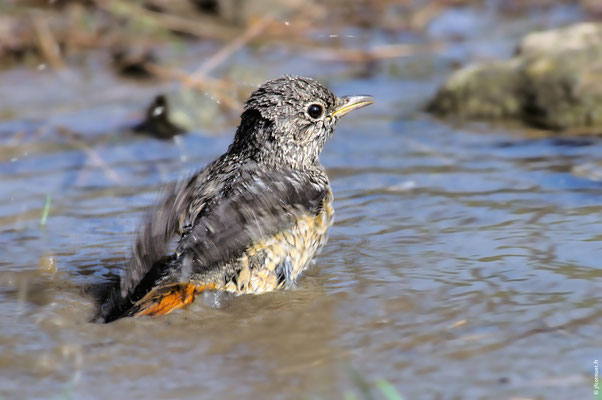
315 111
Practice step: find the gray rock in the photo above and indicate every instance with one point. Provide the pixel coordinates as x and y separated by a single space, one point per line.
554 82
572 37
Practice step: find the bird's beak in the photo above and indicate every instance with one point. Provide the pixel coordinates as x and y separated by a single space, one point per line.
350 103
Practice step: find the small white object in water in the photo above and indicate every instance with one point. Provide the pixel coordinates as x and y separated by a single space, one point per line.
41 67
589 170
402 186
158 110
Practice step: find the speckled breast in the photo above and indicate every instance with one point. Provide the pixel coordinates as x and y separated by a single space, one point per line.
278 261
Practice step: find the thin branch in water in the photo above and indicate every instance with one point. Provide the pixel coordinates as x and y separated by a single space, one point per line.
92 154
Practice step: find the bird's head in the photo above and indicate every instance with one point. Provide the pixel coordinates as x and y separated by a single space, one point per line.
288 120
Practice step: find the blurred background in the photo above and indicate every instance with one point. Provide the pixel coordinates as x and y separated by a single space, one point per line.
464 259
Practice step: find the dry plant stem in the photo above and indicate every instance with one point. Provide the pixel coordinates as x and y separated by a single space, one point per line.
92 154
255 29
225 52
216 87
424 15
421 147
198 26
47 44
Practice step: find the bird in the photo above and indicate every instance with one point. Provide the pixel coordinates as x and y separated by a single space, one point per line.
157 122
249 222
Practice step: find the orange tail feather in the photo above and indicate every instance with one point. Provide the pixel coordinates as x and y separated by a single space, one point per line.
164 300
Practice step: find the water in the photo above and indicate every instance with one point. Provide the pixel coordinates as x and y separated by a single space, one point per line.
464 261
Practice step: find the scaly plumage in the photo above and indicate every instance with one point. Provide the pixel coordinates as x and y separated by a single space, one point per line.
250 221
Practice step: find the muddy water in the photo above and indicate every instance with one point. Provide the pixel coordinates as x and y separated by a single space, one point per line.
464 261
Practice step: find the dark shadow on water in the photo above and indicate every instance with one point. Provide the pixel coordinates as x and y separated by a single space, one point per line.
100 293
556 142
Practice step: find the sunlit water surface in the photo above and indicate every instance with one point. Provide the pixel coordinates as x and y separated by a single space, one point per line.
464 263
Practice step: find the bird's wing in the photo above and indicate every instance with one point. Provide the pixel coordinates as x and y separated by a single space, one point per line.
253 207
258 206
160 226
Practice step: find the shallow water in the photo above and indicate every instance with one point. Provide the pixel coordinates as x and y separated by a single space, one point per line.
463 263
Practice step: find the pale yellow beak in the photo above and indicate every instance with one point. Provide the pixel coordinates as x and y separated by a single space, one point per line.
350 103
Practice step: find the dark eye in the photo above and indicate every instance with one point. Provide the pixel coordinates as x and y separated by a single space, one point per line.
315 111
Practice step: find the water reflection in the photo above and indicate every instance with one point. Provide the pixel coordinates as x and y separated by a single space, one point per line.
463 260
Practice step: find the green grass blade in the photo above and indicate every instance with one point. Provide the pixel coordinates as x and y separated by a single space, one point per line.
46 210
388 390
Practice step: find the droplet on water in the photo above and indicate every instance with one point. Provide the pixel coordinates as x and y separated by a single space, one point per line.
47 265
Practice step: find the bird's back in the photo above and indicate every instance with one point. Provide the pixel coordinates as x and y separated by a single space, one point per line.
244 228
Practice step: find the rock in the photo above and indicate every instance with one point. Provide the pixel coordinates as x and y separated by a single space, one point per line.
555 41
157 122
132 62
589 170
483 91
554 82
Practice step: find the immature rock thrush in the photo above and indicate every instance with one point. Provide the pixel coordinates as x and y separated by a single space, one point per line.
249 222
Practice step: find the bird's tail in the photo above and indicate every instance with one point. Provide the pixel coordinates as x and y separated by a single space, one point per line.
158 301
113 305
165 299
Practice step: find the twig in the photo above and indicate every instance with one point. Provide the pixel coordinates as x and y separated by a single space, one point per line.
255 29
199 26
216 87
417 146
48 45
92 154
424 15
225 52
